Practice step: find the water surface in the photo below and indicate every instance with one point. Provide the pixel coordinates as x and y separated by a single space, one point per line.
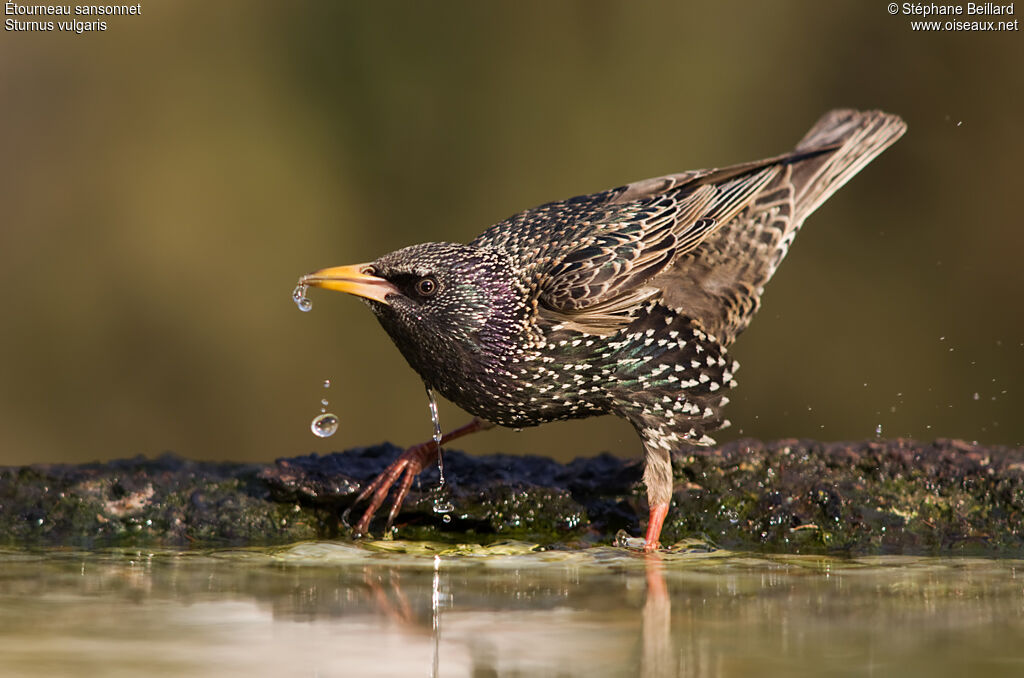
385 609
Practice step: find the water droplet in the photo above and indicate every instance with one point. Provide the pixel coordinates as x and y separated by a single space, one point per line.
324 402
878 431
432 403
446 518
324 425
299 297
976 396
442 504
327 383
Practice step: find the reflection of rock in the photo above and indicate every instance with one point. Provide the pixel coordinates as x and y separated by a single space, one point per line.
868 497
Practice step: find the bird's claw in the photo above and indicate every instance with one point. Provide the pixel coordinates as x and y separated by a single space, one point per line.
402 470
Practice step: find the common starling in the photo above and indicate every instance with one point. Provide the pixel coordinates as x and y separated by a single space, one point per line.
621 302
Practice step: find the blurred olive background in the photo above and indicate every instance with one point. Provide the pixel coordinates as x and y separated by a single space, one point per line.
163 184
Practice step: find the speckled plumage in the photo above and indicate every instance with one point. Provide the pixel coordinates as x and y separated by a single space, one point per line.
622 302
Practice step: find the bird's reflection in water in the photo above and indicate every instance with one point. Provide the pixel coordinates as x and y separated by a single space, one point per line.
659 655
547 621
332 609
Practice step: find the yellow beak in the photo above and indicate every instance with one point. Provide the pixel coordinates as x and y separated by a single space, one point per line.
351 280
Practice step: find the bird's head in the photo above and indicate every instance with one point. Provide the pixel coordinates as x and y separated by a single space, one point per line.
451 309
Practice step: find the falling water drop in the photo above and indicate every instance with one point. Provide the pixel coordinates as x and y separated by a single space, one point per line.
300 299
442 502
324 425
432 403
323 401
878 431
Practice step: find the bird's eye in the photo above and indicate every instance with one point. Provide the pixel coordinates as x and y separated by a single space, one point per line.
426 287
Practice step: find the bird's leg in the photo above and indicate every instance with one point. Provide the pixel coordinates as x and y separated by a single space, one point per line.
407 467
654 523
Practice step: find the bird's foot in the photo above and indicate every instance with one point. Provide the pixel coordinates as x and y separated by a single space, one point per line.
403 471
407 467
651 542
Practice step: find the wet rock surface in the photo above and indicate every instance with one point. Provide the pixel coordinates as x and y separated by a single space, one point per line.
884 496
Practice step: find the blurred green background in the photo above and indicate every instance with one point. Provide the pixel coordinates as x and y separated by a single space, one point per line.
164 183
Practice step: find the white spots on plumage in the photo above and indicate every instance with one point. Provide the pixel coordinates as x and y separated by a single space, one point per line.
703 378
710 360
714 386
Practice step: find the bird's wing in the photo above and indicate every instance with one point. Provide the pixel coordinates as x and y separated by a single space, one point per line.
594 278
720 283
706 241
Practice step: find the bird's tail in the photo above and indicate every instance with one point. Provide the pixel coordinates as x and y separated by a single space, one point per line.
857 136
720 283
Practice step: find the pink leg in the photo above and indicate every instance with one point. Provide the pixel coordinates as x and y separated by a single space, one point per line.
654 523
407 466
